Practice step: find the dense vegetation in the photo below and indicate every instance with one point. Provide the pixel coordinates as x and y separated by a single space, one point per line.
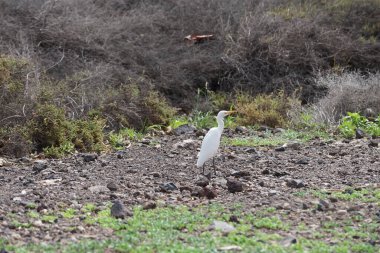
107 65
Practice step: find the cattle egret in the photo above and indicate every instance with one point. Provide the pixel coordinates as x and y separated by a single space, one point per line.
211 141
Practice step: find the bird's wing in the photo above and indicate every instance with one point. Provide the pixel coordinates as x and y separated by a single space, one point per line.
209 146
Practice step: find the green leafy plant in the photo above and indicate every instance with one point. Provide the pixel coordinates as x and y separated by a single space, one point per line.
353 121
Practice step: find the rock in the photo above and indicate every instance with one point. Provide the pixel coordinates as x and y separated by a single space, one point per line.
359 134
280 149
118 210
38 223
97 189
168 187
187 144
3 251
90 157
234 186
112 186
149 205
262 183
242 173
294 145
278 130
39 165
287 241
272 192
156 174
120 154
209 192
222 226
341 212
250 150
280 173
265 172
302 161
184 129
230 248
374 143
323 205
241 129
295 183
2 162
203 181
234 218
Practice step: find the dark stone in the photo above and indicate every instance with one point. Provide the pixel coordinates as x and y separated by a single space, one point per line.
234 186
234 218
90 157
202 182
112 186
118 210
242 173
374 143
265 172
39 166
209 192
302 161
295 183
251 150
168 187
323 205
241 129
280 149
280 173
359 134
261 183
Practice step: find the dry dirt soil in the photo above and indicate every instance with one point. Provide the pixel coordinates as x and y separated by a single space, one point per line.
162 170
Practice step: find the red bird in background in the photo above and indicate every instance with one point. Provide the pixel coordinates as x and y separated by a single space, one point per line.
196 39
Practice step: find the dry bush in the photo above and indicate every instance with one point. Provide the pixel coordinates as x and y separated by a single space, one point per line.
347 92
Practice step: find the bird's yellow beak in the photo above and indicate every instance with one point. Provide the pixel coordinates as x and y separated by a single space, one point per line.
230 112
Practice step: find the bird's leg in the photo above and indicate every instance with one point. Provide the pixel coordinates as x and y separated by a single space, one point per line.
203 169
213 165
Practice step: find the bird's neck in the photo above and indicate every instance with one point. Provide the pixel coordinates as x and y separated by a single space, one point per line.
220 124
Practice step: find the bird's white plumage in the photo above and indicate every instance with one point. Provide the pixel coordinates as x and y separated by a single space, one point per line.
209 146
211 141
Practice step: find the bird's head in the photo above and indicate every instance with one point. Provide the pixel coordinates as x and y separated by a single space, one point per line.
223 114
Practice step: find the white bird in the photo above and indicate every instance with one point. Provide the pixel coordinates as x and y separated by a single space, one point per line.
211 141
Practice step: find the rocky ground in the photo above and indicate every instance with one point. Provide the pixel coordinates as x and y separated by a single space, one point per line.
161 171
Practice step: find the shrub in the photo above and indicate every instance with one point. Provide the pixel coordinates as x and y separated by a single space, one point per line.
52 132
271 110
347 92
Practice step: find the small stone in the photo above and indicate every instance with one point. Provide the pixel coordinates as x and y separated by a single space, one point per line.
241 129
374 143
97 189
234 218
222 226
341 212
234 186
112 186
90 157
39 165
323 205
168 187
286 242
294 145
265 172
295 183
272 192
262 183
209 192
202 182
118 210
242 173
149 205
359 134
184 129
280 149
38 223
303 161
250 150
230 248
156 174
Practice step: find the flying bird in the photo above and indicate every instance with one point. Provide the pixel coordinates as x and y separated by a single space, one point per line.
211 142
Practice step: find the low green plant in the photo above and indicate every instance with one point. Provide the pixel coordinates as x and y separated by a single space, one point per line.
354 121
